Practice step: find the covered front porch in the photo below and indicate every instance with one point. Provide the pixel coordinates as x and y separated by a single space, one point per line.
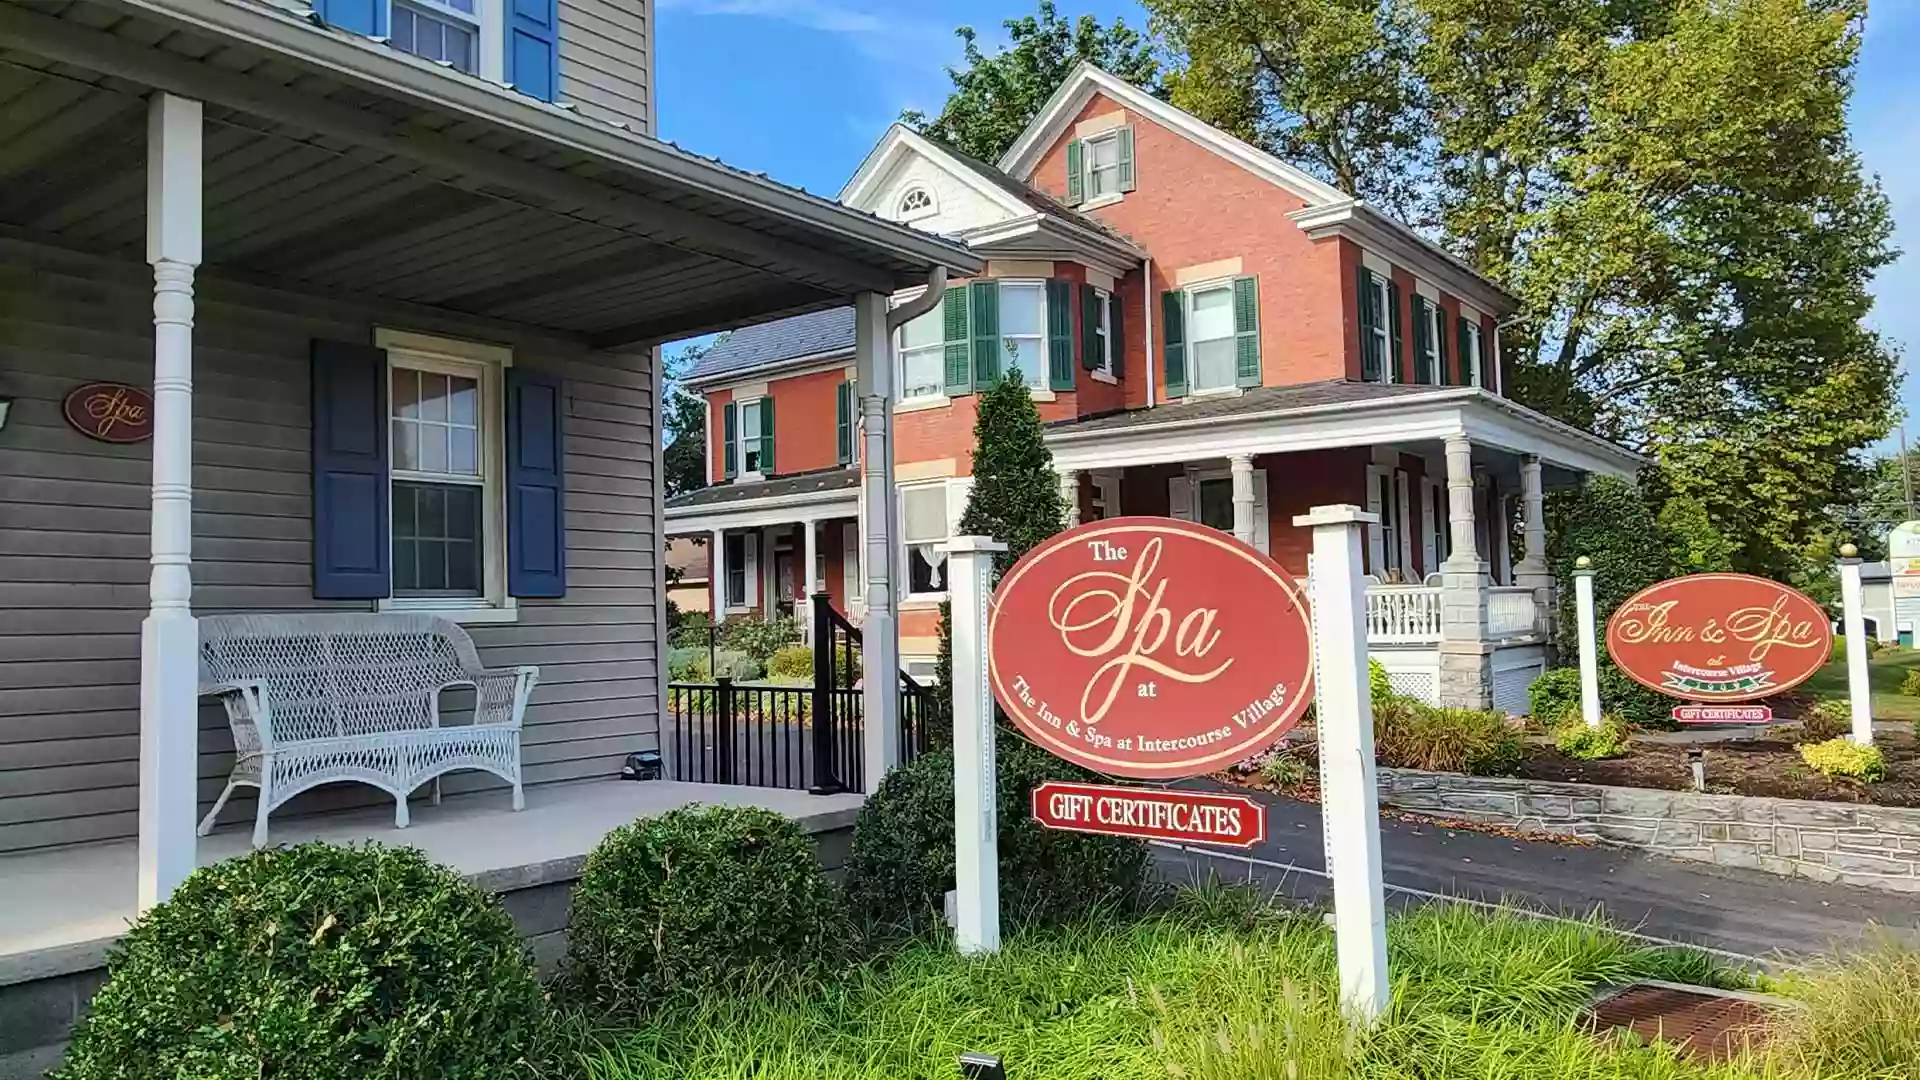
1460 601
771 544
195 197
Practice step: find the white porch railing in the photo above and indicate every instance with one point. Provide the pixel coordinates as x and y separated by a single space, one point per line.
1511 612
1403 614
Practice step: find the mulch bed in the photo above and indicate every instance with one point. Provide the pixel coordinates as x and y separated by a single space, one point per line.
1768 766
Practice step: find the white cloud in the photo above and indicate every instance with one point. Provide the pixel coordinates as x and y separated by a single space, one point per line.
882 35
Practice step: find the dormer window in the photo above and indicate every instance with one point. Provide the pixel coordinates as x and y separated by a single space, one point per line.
447 31
916 203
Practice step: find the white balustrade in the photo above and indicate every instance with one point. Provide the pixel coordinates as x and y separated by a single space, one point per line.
1511 611
1403 614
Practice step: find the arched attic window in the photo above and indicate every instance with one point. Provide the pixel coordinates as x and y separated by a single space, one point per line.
917 202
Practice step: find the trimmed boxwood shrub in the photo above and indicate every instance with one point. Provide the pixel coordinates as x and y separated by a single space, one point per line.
791 662
698 898
1609 739
902 861
316 962
1555 696
1825 720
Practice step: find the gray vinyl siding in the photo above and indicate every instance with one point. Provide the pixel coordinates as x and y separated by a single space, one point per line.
606 60
73 539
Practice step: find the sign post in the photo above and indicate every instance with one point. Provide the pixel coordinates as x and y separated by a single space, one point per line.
1859 690
976 833
1589 648
1349 788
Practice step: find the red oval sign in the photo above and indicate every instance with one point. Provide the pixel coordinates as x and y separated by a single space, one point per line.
1150 648
110 412
1719 637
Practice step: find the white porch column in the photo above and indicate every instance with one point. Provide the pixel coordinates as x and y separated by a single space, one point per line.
880 632
170 637
1466 660
1243 526
1070 494
719 582
1532 571
810 581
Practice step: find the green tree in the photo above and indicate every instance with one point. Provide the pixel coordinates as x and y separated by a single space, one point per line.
995 97
1666 186
683 426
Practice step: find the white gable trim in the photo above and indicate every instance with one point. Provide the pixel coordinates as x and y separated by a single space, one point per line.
899 142
1383 237
1087 80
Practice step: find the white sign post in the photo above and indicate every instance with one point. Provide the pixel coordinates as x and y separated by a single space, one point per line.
976 832
1589 646
1349 799
1859 690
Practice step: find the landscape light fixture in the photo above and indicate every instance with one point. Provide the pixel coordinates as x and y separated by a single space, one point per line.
981 1067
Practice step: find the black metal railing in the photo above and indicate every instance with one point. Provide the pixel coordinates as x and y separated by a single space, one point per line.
811 737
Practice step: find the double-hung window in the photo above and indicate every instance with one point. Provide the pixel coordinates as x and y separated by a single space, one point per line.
1430 354
749 436
1023 329
444 30
1103 165
1103 331
1377 303
740 571
1210 331
445 477
1100 166
922 354
1471 356
923 529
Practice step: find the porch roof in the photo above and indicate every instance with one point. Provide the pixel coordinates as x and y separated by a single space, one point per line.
1321 415
333 163
820 494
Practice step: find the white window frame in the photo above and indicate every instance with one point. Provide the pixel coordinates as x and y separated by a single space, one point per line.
1103 301
1106 495
486 364
907 549
741 409
1472 359
928 209
1038 383
1088 170
1188 296
748 567
1436 325
900 350
1383 326
487 23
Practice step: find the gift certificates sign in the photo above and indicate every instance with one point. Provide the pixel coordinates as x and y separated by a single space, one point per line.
1150 648
1719 637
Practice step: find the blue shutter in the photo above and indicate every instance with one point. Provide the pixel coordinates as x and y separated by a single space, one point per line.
533 47
352 548
367 17
536 486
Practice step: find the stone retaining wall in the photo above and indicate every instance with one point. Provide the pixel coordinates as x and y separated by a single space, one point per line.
1873 846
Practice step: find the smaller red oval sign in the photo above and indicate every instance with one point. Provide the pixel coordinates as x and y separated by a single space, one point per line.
110 412
1150 648
1719 637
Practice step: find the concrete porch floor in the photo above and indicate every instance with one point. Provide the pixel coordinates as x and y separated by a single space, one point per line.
62 907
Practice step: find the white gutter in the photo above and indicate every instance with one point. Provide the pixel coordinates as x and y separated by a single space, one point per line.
919 305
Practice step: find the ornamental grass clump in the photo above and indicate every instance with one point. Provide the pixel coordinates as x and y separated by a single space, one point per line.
1409 734
1910 686
698 899
1824 720
317 962
1843 757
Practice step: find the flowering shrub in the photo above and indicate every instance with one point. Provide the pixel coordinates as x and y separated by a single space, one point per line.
1844 757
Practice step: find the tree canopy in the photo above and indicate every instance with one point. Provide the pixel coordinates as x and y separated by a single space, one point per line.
996 96
1666 186
683 427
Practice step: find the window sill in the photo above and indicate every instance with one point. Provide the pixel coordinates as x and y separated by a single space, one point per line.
462 612
1099 201
1216 392
1040 393
1105 377
921 404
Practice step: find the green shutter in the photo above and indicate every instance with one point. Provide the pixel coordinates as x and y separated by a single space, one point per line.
1173 314
1059 334
1395 372
729 426
1126 158
766 436
985 301
1422 363
1370 365
1246 332
1116 338
843 421
1467 361
1440 344
955 332
1076 176
1089 327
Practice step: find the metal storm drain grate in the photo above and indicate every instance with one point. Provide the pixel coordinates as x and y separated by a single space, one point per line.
1706 1025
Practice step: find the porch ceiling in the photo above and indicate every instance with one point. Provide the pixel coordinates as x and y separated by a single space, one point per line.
334 164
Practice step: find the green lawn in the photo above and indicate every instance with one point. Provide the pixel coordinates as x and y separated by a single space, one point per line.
1884 672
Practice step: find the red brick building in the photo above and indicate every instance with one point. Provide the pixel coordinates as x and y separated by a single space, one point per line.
1210 334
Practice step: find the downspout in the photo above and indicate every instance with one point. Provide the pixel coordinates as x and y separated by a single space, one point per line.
1146 291
919 305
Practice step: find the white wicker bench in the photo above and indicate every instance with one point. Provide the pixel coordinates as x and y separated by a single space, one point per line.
316 699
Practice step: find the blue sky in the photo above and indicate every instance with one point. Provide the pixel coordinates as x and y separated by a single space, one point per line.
801 89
